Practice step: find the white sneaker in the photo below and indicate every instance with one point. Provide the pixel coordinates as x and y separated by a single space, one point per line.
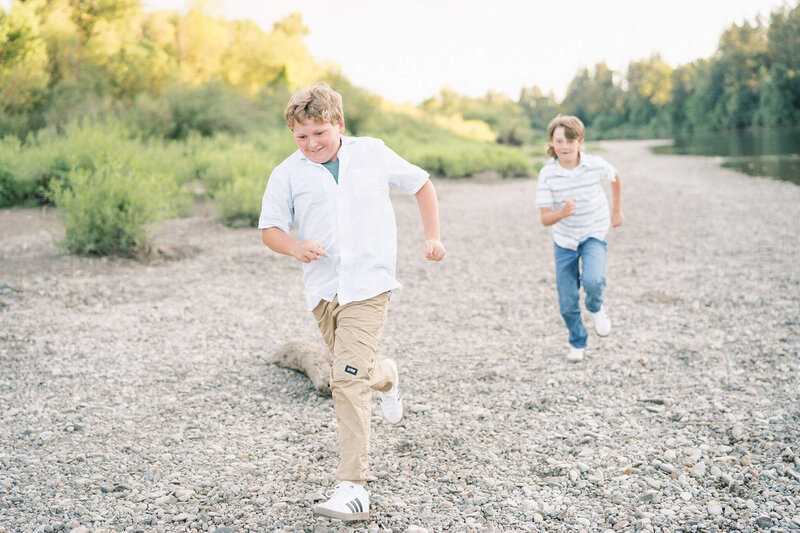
602 325
575 355
391 404
349 501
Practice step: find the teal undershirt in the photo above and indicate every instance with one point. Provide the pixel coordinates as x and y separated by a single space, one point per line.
333 167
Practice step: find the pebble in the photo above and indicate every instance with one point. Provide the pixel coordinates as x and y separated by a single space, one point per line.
738 432
699 469
183 495
764 522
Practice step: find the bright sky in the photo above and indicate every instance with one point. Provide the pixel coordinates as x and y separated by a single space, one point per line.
408 50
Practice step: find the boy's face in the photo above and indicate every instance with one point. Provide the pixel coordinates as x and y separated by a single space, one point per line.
567 150
318 141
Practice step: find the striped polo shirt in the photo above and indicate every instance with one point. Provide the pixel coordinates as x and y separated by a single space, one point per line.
558 185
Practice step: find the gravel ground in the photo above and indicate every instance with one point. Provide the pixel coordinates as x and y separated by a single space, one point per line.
135 397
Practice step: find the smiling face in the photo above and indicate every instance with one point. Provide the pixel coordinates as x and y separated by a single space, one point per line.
567 150
318 141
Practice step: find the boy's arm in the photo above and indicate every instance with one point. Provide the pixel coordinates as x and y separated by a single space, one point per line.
429 210
617 218
550 217
304 251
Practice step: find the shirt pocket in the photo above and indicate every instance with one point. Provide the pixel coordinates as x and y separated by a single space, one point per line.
369 183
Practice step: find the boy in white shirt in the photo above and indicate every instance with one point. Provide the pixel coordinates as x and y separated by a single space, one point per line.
572 200
335 190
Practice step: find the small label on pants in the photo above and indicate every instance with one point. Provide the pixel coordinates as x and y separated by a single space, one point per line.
351 370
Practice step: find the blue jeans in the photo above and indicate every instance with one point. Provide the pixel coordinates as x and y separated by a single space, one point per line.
592 255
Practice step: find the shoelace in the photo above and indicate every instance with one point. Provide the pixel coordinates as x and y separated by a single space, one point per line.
330 493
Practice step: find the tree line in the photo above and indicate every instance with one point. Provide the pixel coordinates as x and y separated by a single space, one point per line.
753 79
66 59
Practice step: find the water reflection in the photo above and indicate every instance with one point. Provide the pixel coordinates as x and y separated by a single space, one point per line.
758 152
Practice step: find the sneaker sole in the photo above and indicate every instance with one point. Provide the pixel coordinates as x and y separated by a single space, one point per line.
347 517
402 403
602 334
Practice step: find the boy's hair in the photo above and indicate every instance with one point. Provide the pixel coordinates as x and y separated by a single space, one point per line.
573 129
319 102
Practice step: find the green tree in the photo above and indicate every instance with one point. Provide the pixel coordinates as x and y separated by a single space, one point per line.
676 108
578 100
740 55
649 89
605 99
779 84
201 42
539 107
704 107
23 58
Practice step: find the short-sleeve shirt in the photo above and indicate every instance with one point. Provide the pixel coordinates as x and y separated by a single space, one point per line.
353 220
557 185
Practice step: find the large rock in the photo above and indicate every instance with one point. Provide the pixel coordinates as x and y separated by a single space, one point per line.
310 358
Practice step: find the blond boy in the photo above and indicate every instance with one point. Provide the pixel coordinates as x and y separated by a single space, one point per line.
335 190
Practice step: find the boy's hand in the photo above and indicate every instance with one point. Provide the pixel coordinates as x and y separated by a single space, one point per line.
617 218
434 249
569 209
308 251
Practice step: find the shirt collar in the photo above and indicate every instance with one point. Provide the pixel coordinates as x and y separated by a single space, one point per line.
580 164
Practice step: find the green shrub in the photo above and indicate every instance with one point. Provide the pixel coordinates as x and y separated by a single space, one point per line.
239 201
29 172
207 110
454 157
234 173
12 192
110 211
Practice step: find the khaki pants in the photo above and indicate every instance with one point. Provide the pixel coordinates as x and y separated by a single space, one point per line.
352 332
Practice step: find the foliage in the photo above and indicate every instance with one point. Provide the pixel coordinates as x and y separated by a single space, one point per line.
452 156
499 112
48 159
109 211
753 79
238 202
103 105
540 108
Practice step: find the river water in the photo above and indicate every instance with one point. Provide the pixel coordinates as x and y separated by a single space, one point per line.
759 152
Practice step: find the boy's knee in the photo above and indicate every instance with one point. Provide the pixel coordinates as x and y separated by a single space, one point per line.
594 285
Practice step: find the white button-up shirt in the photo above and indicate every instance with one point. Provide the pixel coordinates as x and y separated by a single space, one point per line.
354 220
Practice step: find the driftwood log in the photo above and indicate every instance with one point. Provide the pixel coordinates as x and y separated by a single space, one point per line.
310 358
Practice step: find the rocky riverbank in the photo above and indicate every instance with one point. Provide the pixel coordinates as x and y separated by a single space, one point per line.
135 397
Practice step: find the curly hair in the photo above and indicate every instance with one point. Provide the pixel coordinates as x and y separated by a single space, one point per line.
318 102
